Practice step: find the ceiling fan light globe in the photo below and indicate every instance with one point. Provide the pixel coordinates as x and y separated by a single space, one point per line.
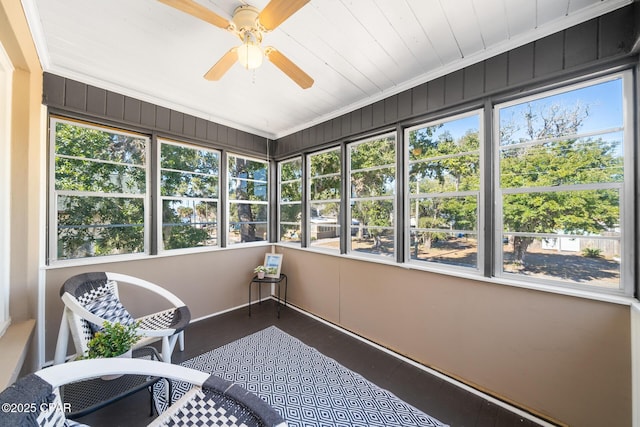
250 56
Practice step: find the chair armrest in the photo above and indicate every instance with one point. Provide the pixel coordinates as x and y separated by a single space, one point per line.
83 369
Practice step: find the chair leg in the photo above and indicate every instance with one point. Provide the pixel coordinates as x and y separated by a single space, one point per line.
181 340
63 341
166 350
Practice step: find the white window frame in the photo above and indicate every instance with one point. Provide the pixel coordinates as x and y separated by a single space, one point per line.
161 198
6 85
289 203
231 201
393 198
338 200
480 194
53 193
627 207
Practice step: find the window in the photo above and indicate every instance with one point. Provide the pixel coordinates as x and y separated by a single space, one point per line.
564 195
6 83
443 163
290 196
248 200
189 191
372 178
98 201
324 191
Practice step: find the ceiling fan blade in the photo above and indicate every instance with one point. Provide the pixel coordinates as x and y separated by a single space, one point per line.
199 11
222 66
285 65
277 11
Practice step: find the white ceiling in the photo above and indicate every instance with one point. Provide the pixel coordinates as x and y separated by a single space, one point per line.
357 51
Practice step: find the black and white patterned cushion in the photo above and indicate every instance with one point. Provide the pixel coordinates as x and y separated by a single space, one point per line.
108 307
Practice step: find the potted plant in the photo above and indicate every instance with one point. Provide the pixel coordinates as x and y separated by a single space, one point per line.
114 340
260 271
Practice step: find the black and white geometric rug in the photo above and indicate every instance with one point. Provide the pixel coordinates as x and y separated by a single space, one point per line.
305 386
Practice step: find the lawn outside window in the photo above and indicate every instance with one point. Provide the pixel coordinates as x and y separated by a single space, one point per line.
290 201
324 190
564 187
99 191
189 189
248 200
444 168
372 179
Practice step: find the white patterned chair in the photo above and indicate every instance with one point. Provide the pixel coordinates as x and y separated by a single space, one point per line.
90 299
211 401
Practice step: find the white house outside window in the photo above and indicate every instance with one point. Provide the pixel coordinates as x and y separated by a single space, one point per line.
564 190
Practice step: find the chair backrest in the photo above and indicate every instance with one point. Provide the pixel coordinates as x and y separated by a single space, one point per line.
31 401
84 289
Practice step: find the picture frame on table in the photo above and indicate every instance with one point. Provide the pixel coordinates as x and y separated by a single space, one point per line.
273 263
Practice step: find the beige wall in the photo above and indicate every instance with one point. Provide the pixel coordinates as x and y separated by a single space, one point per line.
565 357
26 156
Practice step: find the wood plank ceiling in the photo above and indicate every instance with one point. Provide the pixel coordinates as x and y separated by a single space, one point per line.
357 51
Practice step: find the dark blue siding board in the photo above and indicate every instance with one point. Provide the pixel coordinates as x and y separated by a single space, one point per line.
367 117
212 132
96 101
327 129
454 87
131 110
336 126
473 85
391 109
313 135
53 89
377 113
148 114
356 121
549 55
581 44
242 141
306 138
345 124
495 73
115 106
616 32
163 118
435 98
419 100
75 95
176 122
404 104
232 136
223 136
189 125
520 68
201 128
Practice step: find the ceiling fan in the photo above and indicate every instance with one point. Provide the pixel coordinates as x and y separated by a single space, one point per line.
250 25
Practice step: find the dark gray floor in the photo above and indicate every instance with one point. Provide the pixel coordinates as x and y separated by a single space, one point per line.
428 393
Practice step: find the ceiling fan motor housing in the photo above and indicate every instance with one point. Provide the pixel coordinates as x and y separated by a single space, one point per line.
245 18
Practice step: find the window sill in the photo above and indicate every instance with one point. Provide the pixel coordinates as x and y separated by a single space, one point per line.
579 293
14 344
